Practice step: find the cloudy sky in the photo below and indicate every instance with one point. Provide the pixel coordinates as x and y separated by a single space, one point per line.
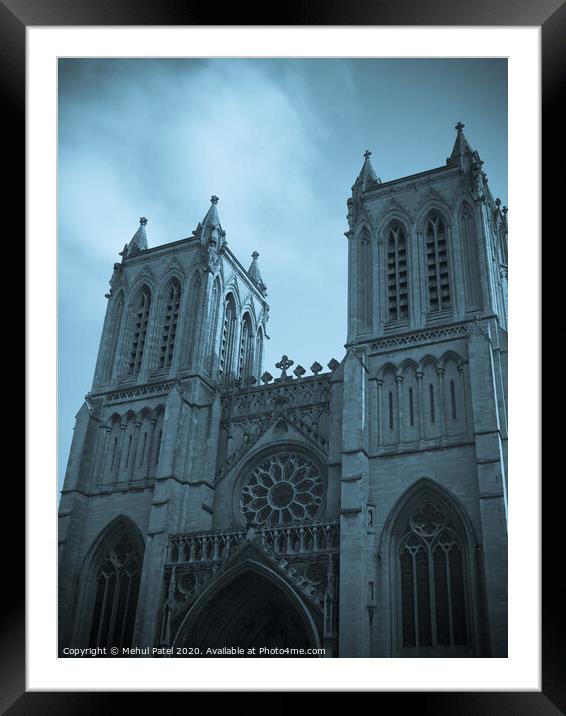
280 142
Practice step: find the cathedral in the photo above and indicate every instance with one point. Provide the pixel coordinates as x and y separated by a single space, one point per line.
356 509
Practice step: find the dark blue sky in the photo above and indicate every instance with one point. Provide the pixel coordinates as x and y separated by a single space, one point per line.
280 142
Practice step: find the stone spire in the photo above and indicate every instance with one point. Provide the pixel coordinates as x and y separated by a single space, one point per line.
367 174
254 273
210 228
139 239
212 218
461 146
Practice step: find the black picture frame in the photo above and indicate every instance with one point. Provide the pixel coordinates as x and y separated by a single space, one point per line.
15 16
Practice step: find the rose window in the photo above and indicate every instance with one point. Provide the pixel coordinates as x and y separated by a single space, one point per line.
283 488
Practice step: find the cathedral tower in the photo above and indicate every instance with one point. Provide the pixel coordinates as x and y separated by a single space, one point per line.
427 319
182 319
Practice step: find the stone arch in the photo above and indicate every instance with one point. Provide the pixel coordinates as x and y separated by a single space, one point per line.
238 606
117 312
433 603
169 317
228 333
435 247
139 322
433 205
109 585
470 255
364 279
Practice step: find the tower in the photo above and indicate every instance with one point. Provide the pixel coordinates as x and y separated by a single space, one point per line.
182 319
427 351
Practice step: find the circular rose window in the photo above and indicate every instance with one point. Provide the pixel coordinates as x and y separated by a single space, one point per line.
284 487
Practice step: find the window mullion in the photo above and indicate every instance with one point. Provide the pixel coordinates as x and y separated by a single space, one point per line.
432 593
449 588
102 610
415 599
437 266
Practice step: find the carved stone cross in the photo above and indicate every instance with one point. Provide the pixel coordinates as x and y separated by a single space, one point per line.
367 154
283 364
143 220
214 199
459 127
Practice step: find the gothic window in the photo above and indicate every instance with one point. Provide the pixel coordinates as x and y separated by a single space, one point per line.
169 328
437 265
365 280
471 258
139 330
432 587
117 578
228 338
195 317
116 323
258 352
284 487
215 303
246 366
398 295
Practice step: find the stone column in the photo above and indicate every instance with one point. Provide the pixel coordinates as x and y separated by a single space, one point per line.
354 626
491 483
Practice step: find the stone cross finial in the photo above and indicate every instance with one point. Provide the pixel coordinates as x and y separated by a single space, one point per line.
333 364
459 127
266 377
255 255
367 154
214 199
283 364
143 220
498 202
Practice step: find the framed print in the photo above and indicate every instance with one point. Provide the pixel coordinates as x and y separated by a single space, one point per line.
271 334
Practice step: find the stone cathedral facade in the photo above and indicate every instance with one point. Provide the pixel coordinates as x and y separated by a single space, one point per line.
359 507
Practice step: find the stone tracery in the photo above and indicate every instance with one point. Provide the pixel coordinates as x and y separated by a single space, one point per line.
283 488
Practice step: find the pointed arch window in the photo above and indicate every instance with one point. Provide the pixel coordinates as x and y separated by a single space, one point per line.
246 349
116 323
397 286
439 298
432 598
117 578
170 321
471 258
258 352
139 330
365 281
228 338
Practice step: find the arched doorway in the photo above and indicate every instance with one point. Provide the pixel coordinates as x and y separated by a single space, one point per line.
250 611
